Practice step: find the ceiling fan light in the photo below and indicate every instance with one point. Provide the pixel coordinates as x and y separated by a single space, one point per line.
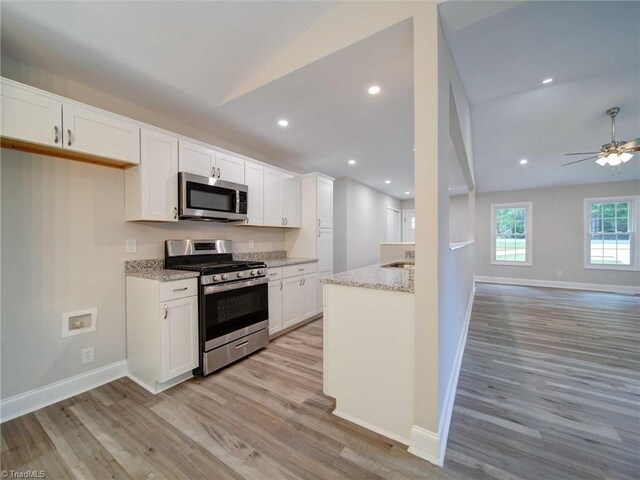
625 157
602 161
613 159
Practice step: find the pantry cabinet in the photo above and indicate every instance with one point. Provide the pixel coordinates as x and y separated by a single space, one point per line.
281 199
151 188
324 201
291 207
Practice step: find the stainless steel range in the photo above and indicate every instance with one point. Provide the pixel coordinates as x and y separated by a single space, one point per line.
233 300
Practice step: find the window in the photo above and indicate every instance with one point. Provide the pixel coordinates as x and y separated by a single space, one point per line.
511 233
610 241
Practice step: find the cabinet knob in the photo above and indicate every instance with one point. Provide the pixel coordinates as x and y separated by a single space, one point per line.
56 132
69 137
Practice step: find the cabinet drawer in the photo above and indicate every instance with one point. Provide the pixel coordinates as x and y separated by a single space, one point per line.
274 274
302 269
178 289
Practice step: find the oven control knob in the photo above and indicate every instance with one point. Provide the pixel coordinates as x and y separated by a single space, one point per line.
240 274
260 271
216 278
225 276
254 273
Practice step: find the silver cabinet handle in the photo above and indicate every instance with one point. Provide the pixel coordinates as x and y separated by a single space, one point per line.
286 221
301 269
69 136
56 132
243 344
175 212
281 285
166 311
219 173
273 274
319 233
304 281
318 222
283 221
180 289
300 283
213 171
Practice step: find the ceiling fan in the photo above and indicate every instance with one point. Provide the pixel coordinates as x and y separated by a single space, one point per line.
612 153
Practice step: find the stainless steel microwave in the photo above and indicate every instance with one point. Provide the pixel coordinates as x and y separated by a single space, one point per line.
209 198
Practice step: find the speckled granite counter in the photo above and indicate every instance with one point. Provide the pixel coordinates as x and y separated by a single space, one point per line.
375 277
153 269
273 259
283 262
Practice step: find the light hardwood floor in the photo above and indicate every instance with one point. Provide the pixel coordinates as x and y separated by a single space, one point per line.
549 388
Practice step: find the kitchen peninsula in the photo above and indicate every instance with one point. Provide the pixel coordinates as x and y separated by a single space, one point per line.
368 347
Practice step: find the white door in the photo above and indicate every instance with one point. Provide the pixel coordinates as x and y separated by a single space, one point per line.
30 115
254 179
196 159
409 226
230 168
159 176
291 302
325 202
179 336
93 131
393 225
273 196
275 306
309 296
292 201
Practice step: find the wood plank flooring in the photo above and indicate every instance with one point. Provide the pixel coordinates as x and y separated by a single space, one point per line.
549 389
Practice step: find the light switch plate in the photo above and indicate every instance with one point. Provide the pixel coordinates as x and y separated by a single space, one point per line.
130 245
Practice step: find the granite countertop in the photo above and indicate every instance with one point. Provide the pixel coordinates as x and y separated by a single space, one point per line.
374 277
153 269
283 262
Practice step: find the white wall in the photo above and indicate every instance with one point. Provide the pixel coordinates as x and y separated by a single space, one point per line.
558 242
63 249
408 204
458 218
361 214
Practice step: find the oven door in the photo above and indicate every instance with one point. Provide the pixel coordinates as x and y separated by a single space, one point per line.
211 198
233 310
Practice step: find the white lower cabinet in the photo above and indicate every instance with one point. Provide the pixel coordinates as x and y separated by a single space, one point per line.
162 331
275 306
179 337
309 296
291 301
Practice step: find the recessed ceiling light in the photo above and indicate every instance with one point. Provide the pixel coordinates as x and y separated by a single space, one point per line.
524 161
387 181
547 80
283 122
407 193
352 162
374 90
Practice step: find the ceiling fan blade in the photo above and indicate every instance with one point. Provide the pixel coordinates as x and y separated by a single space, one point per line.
581 160
582 153
632 146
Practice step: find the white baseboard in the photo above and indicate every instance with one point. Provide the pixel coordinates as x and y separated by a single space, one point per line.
426 445
452 386
595 287
32 400
373 428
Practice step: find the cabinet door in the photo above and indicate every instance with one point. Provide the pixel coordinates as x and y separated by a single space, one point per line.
292 201
325 202
273 192
178 337
30 115
96 132
230 168
275 306
159 176
291 301
254 178
196 159
309 296
324 248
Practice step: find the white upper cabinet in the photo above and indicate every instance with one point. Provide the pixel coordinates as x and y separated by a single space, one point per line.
230 168
324 202
291 210
30 115
197 159
254 179
95 132
151 188
273 197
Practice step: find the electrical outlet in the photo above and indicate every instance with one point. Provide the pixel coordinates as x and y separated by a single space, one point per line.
130 245
88 356
559 273
251 245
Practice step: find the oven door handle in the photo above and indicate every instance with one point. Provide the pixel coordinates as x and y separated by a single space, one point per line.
234 286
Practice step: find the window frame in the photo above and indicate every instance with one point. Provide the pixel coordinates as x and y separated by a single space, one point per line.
632 228
528 222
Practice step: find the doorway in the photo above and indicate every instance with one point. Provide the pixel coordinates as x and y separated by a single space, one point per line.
393 225
408 225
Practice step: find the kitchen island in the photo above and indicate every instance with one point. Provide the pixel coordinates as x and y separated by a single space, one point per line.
368 348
